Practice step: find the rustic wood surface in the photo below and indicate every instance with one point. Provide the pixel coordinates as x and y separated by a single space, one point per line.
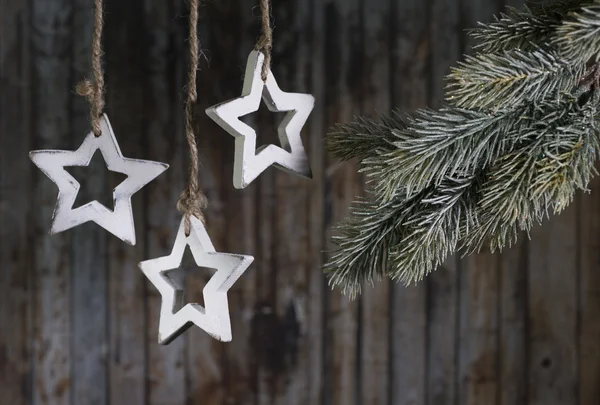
78 321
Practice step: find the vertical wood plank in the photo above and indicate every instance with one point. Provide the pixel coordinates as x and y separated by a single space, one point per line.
15 208
218 372
478 340
313 57
589 299
88 243
292 216
479 287
513 323
375 300
513 315
163 125
409 81
125 99
443 284
342 100
552 287
51 59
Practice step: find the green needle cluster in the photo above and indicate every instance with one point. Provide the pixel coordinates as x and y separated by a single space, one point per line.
516 137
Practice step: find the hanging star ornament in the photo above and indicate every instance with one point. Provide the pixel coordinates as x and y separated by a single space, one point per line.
249 162
214 317
119 222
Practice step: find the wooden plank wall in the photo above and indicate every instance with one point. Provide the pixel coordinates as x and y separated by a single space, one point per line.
78 321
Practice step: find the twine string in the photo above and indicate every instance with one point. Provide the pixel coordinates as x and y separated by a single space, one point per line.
192 201
265 42
94 90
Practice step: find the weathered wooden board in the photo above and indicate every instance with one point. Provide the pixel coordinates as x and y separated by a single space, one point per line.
518 328
126 83
513 314
16 264
589 295
443 285
374 70
88 271
342 183
164 137
52 38
552 311
479 284
409 77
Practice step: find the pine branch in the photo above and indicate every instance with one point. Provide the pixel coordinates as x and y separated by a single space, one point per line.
499 81
578 37
407 237
363 241
514 29
364 137
435 229
554 160
526 29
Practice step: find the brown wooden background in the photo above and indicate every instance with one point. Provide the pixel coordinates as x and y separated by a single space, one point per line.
78 321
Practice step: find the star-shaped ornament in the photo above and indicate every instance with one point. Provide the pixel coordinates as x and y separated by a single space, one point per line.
214 317
249 162
118 221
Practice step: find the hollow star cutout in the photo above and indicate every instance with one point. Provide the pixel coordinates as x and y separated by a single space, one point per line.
214 317
119 221
250 162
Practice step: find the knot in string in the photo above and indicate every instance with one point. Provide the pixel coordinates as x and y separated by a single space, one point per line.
265 42
192 202
94 91
86 88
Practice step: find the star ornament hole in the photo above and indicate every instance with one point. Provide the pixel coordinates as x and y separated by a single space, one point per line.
96 182
266 124
189 281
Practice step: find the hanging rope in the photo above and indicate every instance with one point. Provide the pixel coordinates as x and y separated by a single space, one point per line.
94 91
192 201
265 42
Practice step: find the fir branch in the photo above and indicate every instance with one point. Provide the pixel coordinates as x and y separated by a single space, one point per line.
554 159
435 229
514 29
527 29
499 81
364 137
453 142
578 37
363 241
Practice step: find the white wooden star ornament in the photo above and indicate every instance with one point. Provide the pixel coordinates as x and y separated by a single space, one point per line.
119 222
250 162
214 317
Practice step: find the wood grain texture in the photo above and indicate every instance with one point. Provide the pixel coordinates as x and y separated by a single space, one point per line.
409 77
16 264
88 270
292 216
479 286
443 285
589 295
51 64
445 47
222 373
513 323
513 315
342 100
205 371
164 127
521 328
375 308
125 80
552 311
312 50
